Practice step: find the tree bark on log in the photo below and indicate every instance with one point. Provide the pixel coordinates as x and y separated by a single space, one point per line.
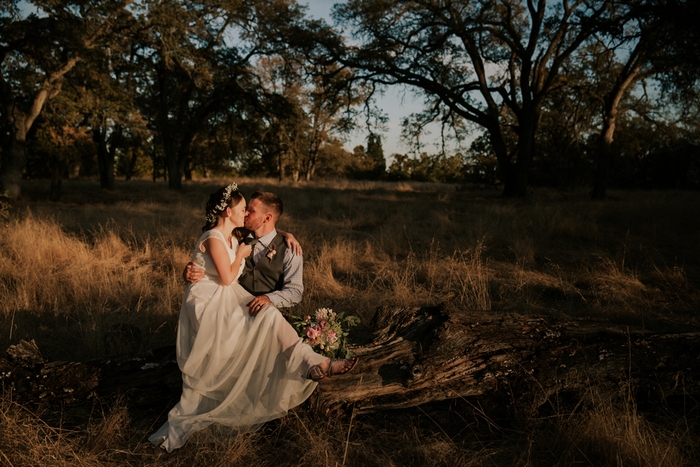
423 355
416 356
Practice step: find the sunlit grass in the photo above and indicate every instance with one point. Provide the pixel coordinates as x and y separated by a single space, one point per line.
99 274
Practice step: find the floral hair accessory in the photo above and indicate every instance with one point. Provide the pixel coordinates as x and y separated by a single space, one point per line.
271 251
223 204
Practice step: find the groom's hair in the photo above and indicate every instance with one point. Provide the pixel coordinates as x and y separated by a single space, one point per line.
271 201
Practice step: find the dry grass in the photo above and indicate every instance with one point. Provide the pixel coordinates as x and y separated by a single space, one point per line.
605 434
86 286
99 274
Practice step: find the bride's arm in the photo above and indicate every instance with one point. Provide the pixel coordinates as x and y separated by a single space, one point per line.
291 242
228 271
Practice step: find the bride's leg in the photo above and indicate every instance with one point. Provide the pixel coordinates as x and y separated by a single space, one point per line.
289 340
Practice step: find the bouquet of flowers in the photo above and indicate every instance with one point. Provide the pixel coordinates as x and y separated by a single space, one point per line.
326 332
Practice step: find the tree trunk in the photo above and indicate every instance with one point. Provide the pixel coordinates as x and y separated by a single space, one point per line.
183 155
310 169
107 173
173 148
131 167
514 181
105 158
174 173
13 162
419 355
600 176
56 180
281 165
629 74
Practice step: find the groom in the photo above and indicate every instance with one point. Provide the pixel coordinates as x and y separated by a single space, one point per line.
272 273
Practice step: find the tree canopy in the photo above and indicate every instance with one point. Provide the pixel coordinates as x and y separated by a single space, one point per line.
539 92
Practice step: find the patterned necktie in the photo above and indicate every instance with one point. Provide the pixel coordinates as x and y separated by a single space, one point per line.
258 250
256 245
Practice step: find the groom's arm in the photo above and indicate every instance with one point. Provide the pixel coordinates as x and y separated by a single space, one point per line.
291 292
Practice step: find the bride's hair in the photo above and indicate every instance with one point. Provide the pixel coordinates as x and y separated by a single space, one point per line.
226 197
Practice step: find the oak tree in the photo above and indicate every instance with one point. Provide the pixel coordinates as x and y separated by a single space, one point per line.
36 53
491 63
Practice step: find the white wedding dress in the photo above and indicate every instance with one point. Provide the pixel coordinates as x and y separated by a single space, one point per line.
237 371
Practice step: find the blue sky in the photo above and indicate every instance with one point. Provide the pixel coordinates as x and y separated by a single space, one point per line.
396 102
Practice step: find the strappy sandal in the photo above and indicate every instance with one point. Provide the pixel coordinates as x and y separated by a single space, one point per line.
316 373
353 362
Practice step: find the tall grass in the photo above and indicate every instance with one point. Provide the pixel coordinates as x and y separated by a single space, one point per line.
64 289
100 274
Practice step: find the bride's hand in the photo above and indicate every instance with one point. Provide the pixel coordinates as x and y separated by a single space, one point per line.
292 242
244 250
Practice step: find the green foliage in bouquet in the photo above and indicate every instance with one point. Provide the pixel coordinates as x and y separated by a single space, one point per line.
326 332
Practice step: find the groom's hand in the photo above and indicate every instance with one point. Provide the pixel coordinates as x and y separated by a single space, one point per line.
191 273
257 304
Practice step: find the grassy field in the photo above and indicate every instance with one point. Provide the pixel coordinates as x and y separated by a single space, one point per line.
74 273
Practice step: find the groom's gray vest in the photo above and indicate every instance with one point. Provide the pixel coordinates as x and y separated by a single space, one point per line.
268 274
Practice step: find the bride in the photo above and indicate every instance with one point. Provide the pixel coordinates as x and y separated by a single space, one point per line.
238 369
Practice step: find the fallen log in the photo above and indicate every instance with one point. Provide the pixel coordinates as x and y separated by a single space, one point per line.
415 356
420 355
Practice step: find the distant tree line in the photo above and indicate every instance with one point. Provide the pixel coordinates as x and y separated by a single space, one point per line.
552 92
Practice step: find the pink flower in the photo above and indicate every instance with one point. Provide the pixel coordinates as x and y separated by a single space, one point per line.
323 324
312 332
332 337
